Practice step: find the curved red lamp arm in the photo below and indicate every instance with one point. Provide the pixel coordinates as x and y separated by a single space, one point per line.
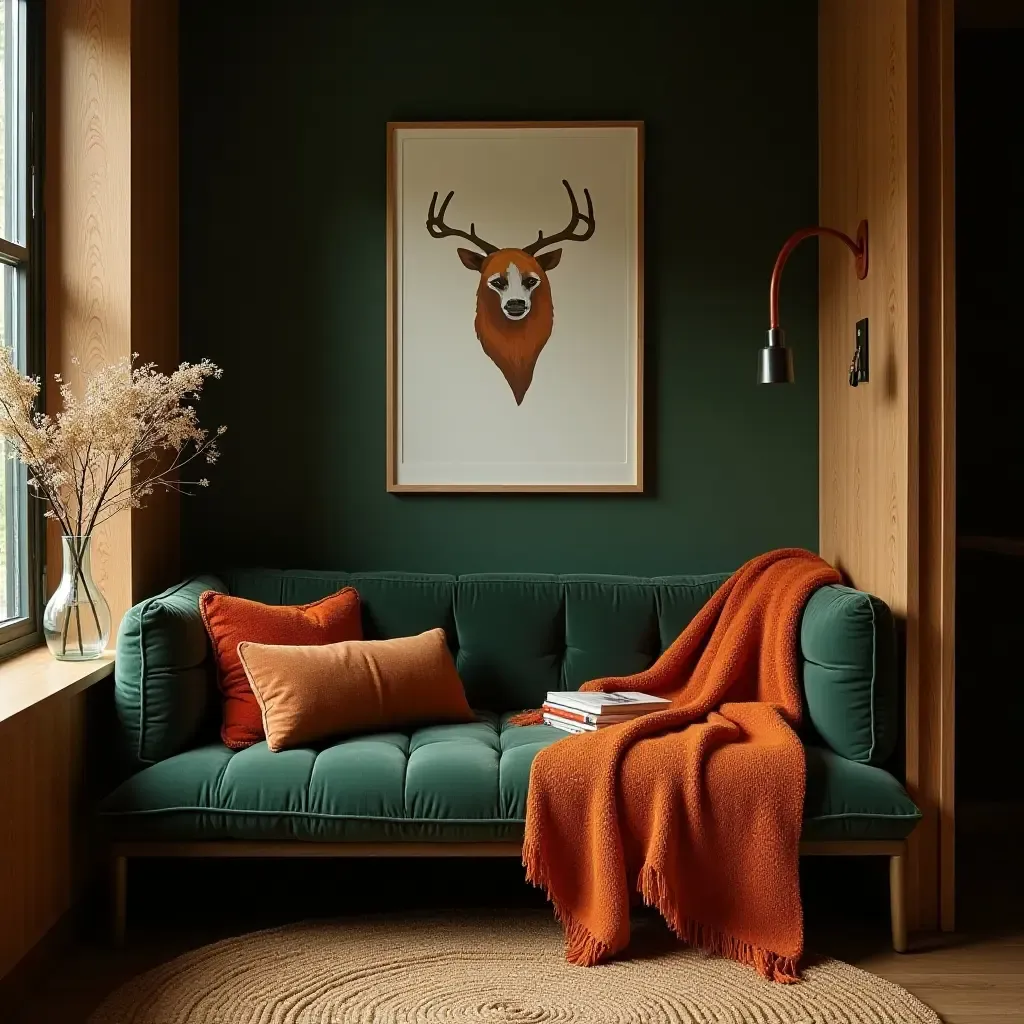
859 248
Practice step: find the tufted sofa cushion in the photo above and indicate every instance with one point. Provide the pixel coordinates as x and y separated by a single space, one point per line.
443 783
456 781
514 637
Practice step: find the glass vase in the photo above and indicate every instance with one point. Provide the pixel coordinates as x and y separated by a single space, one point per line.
76 620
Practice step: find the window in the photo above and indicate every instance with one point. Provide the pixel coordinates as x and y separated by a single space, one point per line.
19 522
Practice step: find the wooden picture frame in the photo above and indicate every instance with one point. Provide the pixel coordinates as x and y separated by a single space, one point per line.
432 330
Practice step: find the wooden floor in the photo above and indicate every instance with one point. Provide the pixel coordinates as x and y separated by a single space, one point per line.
966 979
973 977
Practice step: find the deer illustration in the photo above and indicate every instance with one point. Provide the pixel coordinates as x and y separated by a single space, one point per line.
514 311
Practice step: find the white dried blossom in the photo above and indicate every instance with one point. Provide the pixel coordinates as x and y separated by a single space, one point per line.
128 435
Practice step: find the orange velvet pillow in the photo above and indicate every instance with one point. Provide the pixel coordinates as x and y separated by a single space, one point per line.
310 693
230 620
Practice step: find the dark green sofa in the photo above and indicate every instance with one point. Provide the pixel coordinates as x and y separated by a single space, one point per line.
461 789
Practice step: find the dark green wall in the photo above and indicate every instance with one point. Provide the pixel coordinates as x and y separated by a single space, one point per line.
283 262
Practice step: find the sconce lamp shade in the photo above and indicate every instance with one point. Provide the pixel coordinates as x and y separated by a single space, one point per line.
776 363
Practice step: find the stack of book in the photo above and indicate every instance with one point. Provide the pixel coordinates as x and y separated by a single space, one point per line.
587 712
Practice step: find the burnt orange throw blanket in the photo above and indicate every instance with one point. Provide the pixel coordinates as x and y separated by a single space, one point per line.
697 808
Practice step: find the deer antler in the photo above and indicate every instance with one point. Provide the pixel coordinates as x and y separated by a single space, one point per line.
438 229
566 235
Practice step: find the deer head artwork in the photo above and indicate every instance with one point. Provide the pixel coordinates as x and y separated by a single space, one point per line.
514 311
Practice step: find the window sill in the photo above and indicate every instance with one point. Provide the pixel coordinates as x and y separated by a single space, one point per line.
34 676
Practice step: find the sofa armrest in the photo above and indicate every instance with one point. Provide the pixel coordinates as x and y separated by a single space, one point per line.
163 676
850 676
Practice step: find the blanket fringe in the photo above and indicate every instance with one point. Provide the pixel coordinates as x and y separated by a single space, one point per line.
584 950
581 948
527 718
773 966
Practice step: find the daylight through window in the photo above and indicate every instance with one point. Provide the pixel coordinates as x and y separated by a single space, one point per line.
16 616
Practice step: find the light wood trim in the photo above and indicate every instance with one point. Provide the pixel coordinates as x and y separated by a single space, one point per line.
865 432
641 156
510 848
111 199
391 361
36 676
515 488
936 704
878 496
88 231
923 850
898 901
397 125
99 247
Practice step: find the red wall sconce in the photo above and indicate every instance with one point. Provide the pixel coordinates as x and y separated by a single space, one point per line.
776 363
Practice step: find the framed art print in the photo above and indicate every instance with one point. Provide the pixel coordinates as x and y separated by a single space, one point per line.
515 306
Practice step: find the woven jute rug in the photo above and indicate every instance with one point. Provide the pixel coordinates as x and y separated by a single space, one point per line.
470 969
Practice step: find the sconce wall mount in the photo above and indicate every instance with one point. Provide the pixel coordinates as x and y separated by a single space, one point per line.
775 365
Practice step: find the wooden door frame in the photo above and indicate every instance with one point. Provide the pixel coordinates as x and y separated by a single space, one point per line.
887 472
935 761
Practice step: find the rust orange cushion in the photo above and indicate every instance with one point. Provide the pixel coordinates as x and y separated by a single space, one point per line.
230 620
310 693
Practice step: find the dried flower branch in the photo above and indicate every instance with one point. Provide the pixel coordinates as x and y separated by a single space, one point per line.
129 435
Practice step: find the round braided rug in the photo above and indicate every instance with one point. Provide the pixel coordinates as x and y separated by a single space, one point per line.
484 969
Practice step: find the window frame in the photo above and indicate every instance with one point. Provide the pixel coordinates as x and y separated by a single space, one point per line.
18 634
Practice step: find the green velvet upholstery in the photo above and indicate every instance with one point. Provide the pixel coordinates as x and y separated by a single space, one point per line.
446 782
163 682
848 642
848 800
511 636
514 637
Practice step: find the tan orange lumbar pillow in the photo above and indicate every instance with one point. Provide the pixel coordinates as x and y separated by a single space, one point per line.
229 620
310 693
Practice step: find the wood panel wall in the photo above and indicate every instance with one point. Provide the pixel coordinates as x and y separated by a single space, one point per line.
41 832
882 516
110 202
111 207
86 203
866 432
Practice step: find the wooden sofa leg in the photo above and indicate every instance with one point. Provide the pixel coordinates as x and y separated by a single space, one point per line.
898 901
118 898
